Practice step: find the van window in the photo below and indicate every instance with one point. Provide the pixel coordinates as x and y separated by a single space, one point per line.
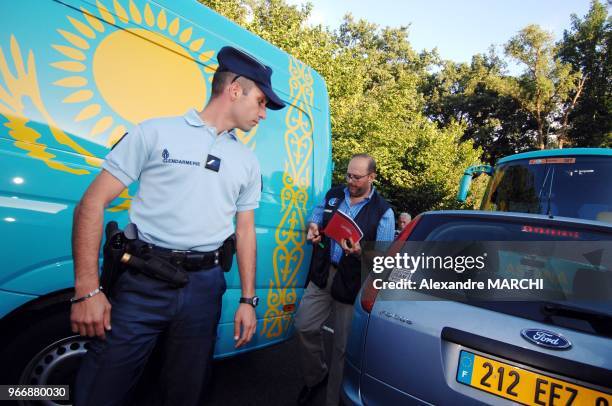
579 187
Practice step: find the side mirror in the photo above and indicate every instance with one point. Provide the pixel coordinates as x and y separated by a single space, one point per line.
466 179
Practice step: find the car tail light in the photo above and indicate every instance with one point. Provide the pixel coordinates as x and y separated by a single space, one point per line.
369 292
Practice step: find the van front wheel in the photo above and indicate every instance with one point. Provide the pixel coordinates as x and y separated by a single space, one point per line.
43 351
56 364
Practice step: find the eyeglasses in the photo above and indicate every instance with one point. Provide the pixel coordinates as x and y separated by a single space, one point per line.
350 176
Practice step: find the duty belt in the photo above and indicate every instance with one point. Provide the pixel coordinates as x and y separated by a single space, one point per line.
186 259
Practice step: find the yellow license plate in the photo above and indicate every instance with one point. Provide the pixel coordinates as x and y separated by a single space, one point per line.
524 386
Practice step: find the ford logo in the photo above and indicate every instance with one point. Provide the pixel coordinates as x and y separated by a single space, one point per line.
545 338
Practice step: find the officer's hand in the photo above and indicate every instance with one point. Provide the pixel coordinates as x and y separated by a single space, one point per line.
92 316
313 233
245 320
351 247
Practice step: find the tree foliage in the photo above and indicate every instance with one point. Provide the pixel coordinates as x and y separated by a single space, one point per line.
561 99
586 46
424 119
493 121
543 89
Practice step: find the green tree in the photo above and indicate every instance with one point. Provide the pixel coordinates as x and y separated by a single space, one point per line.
495 122
544 90
419 164
374 79
586 46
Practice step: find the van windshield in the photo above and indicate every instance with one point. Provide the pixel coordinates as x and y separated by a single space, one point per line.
579 187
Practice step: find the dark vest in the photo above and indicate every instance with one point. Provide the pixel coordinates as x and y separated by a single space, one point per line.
347 281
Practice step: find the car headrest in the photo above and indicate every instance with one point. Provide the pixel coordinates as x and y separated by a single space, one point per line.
605 216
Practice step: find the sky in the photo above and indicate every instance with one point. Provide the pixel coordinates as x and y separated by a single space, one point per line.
459 28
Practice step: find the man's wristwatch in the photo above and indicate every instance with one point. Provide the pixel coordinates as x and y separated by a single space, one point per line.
253 301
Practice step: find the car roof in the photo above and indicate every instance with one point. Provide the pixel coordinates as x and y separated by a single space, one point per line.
557 152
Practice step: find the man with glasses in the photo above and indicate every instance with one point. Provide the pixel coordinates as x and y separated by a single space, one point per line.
335 275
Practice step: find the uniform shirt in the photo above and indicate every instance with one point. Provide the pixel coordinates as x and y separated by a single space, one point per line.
180 204
384 231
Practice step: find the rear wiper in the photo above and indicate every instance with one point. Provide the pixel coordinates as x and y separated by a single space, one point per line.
601 322
552 178
548 171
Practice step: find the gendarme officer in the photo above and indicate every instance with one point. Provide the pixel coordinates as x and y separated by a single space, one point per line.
194 177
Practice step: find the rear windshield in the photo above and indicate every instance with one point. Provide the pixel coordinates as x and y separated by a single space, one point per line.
524 258
579 187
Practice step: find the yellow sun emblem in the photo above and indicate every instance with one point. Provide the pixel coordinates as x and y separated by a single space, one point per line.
149 67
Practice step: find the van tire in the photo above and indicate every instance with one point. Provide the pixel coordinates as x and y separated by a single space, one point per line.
42 350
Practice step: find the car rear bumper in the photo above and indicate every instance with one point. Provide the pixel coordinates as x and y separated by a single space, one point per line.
383 394
349 392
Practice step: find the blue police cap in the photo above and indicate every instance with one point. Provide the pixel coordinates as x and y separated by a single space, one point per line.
239 62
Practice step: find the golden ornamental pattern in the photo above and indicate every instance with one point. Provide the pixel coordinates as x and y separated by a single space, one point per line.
288 256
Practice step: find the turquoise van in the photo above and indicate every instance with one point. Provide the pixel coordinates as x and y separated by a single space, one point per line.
74 76
571 182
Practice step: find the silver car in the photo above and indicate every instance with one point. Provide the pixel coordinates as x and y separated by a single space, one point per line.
450 352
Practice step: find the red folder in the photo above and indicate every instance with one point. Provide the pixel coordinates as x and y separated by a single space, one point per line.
342 227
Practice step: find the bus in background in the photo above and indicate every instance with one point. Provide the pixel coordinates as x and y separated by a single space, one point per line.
69 89
573 182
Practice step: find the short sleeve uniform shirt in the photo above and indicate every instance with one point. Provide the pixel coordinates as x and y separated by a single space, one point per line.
181 204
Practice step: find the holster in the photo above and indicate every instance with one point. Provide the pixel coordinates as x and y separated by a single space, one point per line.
226 253
144 260
113 250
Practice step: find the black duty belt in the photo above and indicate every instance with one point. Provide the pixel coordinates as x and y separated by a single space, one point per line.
186 259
